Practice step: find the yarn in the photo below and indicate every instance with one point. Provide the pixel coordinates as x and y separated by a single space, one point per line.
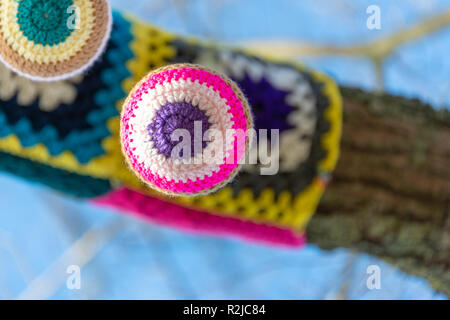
70 183
78 125
166 213
216 98
28 91
172 116
79 134
41 40
44 21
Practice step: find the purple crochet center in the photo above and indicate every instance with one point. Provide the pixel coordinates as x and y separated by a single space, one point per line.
172 116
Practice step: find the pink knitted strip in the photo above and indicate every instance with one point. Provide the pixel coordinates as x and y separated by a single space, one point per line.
236 109
166 213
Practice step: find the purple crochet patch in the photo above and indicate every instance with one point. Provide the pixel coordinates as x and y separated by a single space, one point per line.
269 106
172 116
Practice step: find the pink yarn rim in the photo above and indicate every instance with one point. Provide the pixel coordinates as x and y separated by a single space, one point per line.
166 213
236 109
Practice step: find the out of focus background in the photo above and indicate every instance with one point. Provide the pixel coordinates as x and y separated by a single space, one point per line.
42 232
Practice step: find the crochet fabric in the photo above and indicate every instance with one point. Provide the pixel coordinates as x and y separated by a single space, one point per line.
49 40
200 101
71 141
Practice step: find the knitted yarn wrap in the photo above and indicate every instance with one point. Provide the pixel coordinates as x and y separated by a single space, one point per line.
50 40
66 135
183 96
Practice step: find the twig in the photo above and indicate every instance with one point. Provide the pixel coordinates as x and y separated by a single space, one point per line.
376 51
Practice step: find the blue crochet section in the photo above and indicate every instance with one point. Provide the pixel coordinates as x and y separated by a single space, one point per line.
81 126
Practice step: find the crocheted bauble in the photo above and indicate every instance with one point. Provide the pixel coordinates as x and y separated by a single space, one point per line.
49 40
184 129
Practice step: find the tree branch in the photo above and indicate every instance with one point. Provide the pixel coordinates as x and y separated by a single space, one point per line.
390 195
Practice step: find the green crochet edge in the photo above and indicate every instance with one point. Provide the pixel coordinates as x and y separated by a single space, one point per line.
66 182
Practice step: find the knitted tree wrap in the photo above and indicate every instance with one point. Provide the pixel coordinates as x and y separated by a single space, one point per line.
183 96
48 40
70 130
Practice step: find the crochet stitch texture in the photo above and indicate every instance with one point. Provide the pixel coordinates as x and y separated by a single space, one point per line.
49 40
216 98
74 146
44 21
173 116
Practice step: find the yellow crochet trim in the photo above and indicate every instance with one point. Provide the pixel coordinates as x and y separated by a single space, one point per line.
331 139
145 37
284 211
38 52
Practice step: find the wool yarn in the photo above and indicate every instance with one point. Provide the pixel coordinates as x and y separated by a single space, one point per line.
183 96
155 210
68 138
49 40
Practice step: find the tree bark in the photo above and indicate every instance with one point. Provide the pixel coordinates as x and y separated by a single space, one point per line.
390 194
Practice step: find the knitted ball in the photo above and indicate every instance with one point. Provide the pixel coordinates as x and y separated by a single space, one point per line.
49 40
184 129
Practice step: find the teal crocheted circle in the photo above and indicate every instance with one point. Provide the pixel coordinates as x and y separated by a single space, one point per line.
45 21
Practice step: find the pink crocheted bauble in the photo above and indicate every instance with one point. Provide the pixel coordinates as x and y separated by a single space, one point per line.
184 129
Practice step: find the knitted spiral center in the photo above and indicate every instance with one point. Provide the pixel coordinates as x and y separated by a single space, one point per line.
45 21
177 115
